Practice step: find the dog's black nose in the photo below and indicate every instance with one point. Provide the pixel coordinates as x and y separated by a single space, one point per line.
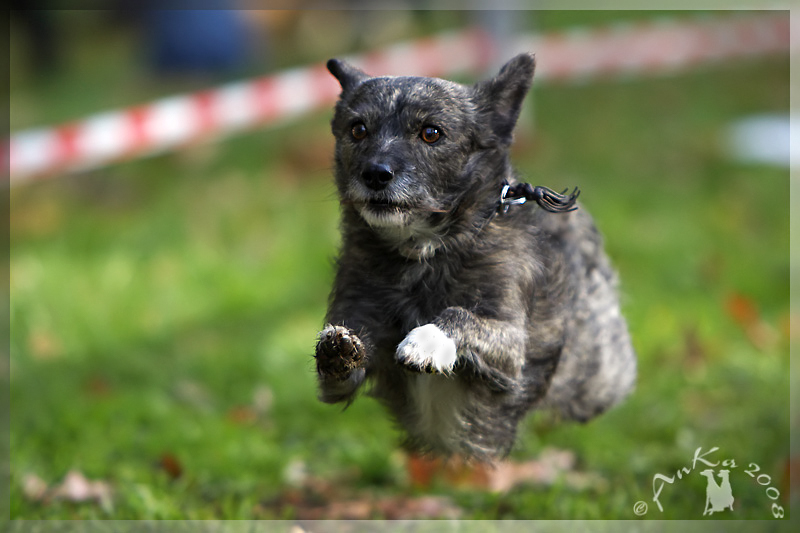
377 176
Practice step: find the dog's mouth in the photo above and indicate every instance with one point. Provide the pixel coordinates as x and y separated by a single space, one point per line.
382 212
378 205
386 212
384 205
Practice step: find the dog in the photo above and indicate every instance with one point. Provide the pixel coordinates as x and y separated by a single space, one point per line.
461 307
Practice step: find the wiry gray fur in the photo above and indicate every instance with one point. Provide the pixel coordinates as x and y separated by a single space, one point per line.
527 297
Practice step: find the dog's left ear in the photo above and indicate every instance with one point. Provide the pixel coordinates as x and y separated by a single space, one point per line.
348 75
502 95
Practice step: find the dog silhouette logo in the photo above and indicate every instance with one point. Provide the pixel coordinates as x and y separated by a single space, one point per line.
718 497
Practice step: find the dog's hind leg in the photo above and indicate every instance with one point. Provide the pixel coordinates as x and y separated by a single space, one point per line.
598 365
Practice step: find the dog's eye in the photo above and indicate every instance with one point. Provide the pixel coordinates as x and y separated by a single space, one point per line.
358 131
430 134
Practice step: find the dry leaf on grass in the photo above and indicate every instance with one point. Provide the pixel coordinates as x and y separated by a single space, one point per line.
424 507
171 465
542 471
74 488
744 311
34 488
551 466
389 508
312 498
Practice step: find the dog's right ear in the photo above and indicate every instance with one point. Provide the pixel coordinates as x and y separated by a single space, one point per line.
348 75
502 95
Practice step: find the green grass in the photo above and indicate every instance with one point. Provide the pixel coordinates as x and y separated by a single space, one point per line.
168 307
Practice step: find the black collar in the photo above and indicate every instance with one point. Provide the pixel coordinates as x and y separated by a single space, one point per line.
549 200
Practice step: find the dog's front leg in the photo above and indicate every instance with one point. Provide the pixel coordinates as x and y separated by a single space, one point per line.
341 363
492 348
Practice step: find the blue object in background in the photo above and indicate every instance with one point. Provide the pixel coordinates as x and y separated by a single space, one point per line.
197 41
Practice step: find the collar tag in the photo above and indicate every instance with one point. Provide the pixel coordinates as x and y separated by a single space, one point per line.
506 202
547 199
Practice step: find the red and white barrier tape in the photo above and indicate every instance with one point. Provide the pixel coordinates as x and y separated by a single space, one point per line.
171 122
178 120
656 47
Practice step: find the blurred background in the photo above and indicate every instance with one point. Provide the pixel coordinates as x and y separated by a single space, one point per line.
164 308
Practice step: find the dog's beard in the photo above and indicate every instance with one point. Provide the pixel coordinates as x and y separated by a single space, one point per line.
385 215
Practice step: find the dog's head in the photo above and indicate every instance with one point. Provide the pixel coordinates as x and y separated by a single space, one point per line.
411 152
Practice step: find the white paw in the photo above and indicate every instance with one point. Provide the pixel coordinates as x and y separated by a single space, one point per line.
428 348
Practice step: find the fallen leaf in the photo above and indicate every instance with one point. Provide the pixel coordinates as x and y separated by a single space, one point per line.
745 313
425 507
74 488
422 469
552 465
389 508
34 488
77 488
170 464
313 498
545 470
341 510
742 310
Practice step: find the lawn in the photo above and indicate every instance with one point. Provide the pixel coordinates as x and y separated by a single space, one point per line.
164 311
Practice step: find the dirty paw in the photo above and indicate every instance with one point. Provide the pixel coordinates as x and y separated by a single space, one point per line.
428 349
339 352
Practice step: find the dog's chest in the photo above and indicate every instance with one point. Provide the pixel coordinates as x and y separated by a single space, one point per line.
422 291
438 402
